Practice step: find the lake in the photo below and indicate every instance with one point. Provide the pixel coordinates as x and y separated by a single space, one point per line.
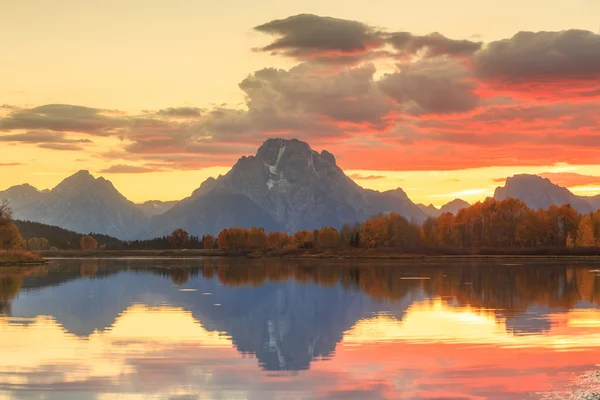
296 329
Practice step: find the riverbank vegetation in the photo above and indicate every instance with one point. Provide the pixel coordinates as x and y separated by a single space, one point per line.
491 227
10 241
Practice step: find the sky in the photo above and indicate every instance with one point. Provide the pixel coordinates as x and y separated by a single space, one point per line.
443 99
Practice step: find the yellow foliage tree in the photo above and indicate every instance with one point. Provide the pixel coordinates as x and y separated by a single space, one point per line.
10 237
88 243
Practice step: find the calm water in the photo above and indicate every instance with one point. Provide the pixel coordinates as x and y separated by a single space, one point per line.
272 329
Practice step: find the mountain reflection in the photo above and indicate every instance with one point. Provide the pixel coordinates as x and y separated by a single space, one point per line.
125 319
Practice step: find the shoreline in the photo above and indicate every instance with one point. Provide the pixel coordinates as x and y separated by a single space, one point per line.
24 263
349 255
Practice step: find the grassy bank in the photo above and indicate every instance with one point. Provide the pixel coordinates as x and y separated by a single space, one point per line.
19 257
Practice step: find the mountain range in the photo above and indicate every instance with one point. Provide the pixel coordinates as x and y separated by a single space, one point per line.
286 186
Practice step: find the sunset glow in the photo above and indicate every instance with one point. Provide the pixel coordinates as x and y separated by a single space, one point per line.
441 115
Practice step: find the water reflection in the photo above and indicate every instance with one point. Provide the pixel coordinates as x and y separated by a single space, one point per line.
199 328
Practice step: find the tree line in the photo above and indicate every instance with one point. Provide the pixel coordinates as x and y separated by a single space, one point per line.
507 225
491 224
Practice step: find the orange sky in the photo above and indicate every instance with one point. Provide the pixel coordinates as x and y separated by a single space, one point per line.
158 97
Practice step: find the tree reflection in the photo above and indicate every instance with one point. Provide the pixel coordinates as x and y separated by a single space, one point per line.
512 288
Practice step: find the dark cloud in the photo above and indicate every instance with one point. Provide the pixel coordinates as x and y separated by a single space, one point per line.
308 36
432 86
14 164
541 56
63 118
180 112
432 45
127 169
41 136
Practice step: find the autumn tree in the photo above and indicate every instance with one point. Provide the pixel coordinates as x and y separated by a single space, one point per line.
585 232
447 235
401 233
10 237
88 243
277 240
208 242
179 238
430 232
303 239
374 232
257 238
327 238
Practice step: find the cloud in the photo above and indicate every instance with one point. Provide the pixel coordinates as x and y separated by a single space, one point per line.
180 112
127 169
449 104
61 146
360 177
436 86
14 164
542 56
570 179
325 39
432 45
63 118
41 136
350 95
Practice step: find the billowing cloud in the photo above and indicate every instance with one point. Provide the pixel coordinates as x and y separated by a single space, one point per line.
436 86
308 36
432 45
127 169
542 56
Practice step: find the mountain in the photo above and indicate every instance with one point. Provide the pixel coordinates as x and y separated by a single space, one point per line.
286 186
210 214
541 193
452 207
79 203
156 207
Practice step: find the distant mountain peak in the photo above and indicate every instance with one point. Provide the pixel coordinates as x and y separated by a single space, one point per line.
540 193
